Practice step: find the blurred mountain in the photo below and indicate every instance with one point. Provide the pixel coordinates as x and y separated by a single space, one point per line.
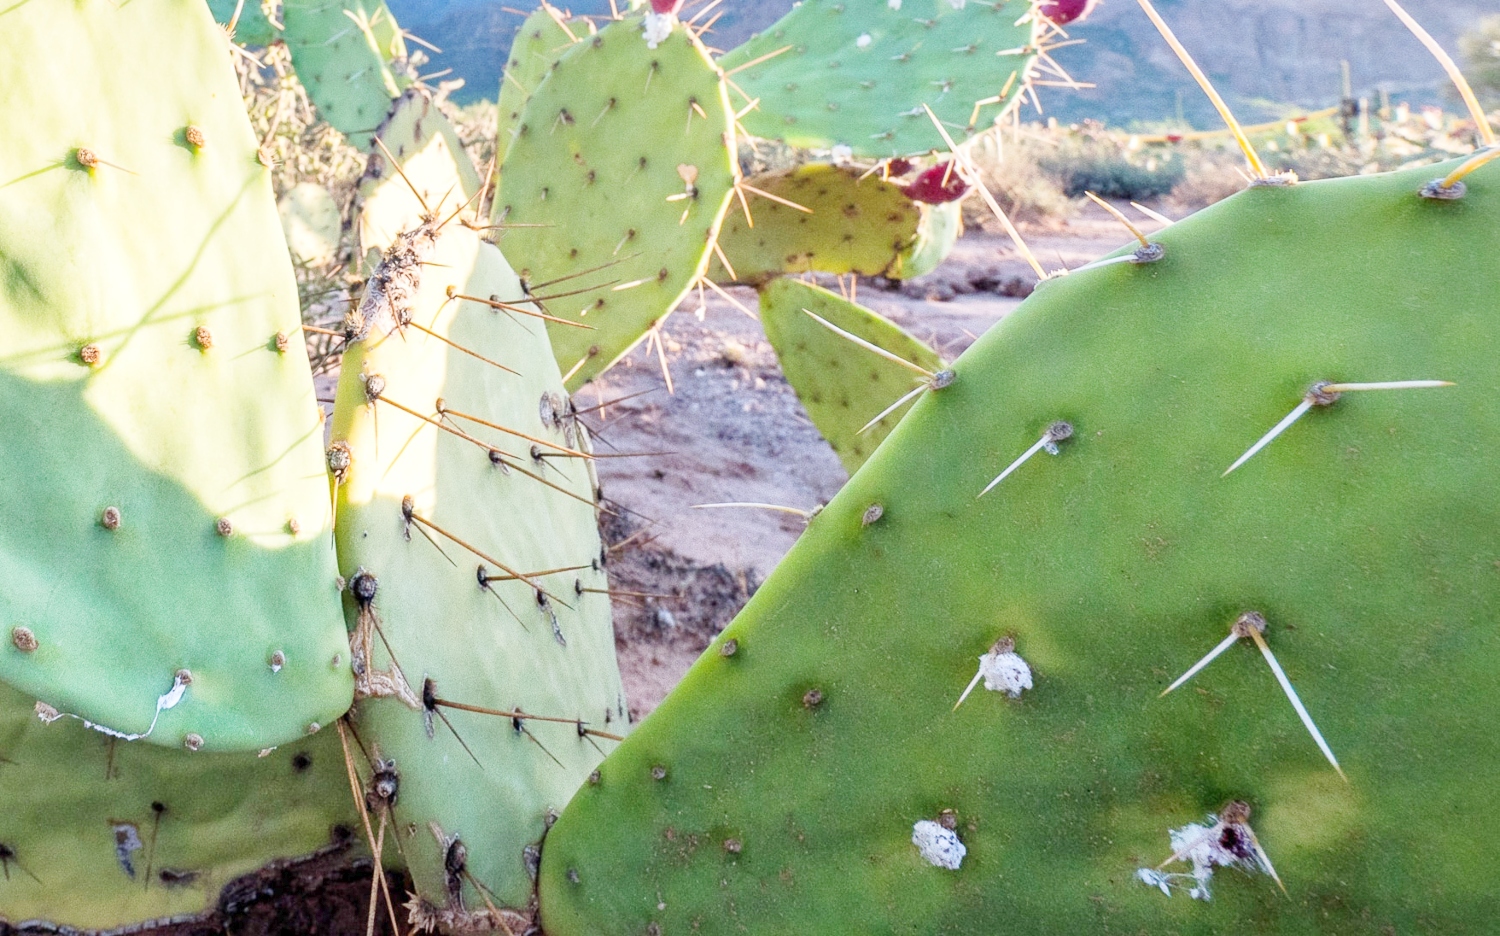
1265 56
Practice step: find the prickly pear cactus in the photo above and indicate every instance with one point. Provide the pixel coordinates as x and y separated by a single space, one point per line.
98 834
346 53
311 221
442 178
539 43
850 225
467 532
842 385
811 774
166 562
857 73
252 28
632 177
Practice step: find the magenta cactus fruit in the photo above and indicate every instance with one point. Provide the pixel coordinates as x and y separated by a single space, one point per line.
937 186
1063 12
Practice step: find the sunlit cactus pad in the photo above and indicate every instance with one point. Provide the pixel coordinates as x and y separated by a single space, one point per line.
164 514
437 521
625 154
783 786
857 73
843 386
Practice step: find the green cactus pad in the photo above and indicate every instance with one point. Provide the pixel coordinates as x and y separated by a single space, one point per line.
859 71
311 220
86 847
433 158
941 227
853 225
252 28
602 162
795 770
842 385
539 43
497 647
164 505
343 51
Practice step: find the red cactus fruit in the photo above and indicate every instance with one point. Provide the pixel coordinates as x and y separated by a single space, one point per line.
930 188
1063 12
666 6
898 167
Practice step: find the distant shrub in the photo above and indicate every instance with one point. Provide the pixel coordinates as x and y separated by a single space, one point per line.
1085 162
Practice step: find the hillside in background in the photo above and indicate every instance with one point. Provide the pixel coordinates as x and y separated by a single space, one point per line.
1264 55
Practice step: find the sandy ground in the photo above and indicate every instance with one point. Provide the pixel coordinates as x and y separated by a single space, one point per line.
732 429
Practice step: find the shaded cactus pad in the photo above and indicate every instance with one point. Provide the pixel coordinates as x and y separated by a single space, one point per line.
795 772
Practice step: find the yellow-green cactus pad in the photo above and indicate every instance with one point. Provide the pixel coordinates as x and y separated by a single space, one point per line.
626 153
857 73
439 509
818 779
312 223
164 516
842 385
851 225
98 835
344 52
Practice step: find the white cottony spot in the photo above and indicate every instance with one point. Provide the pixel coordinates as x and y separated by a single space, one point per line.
864 41
841 154
894 4
938 846
956 4
1002 669
658 26
1224 841
1005 672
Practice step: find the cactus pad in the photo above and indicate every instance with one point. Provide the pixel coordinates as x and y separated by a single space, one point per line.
539 43
252 28
636 171
866 226
311 220
164 505
418 505
434 160
859 71
795 773
842 385
85 845
343 51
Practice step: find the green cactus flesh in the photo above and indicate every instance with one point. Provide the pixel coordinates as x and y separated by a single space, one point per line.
439 178
252 28
437 522
165 507
858 72
343 51
842 385
83 843
940 229
631 177
852 225
311 221
792 771
538 44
